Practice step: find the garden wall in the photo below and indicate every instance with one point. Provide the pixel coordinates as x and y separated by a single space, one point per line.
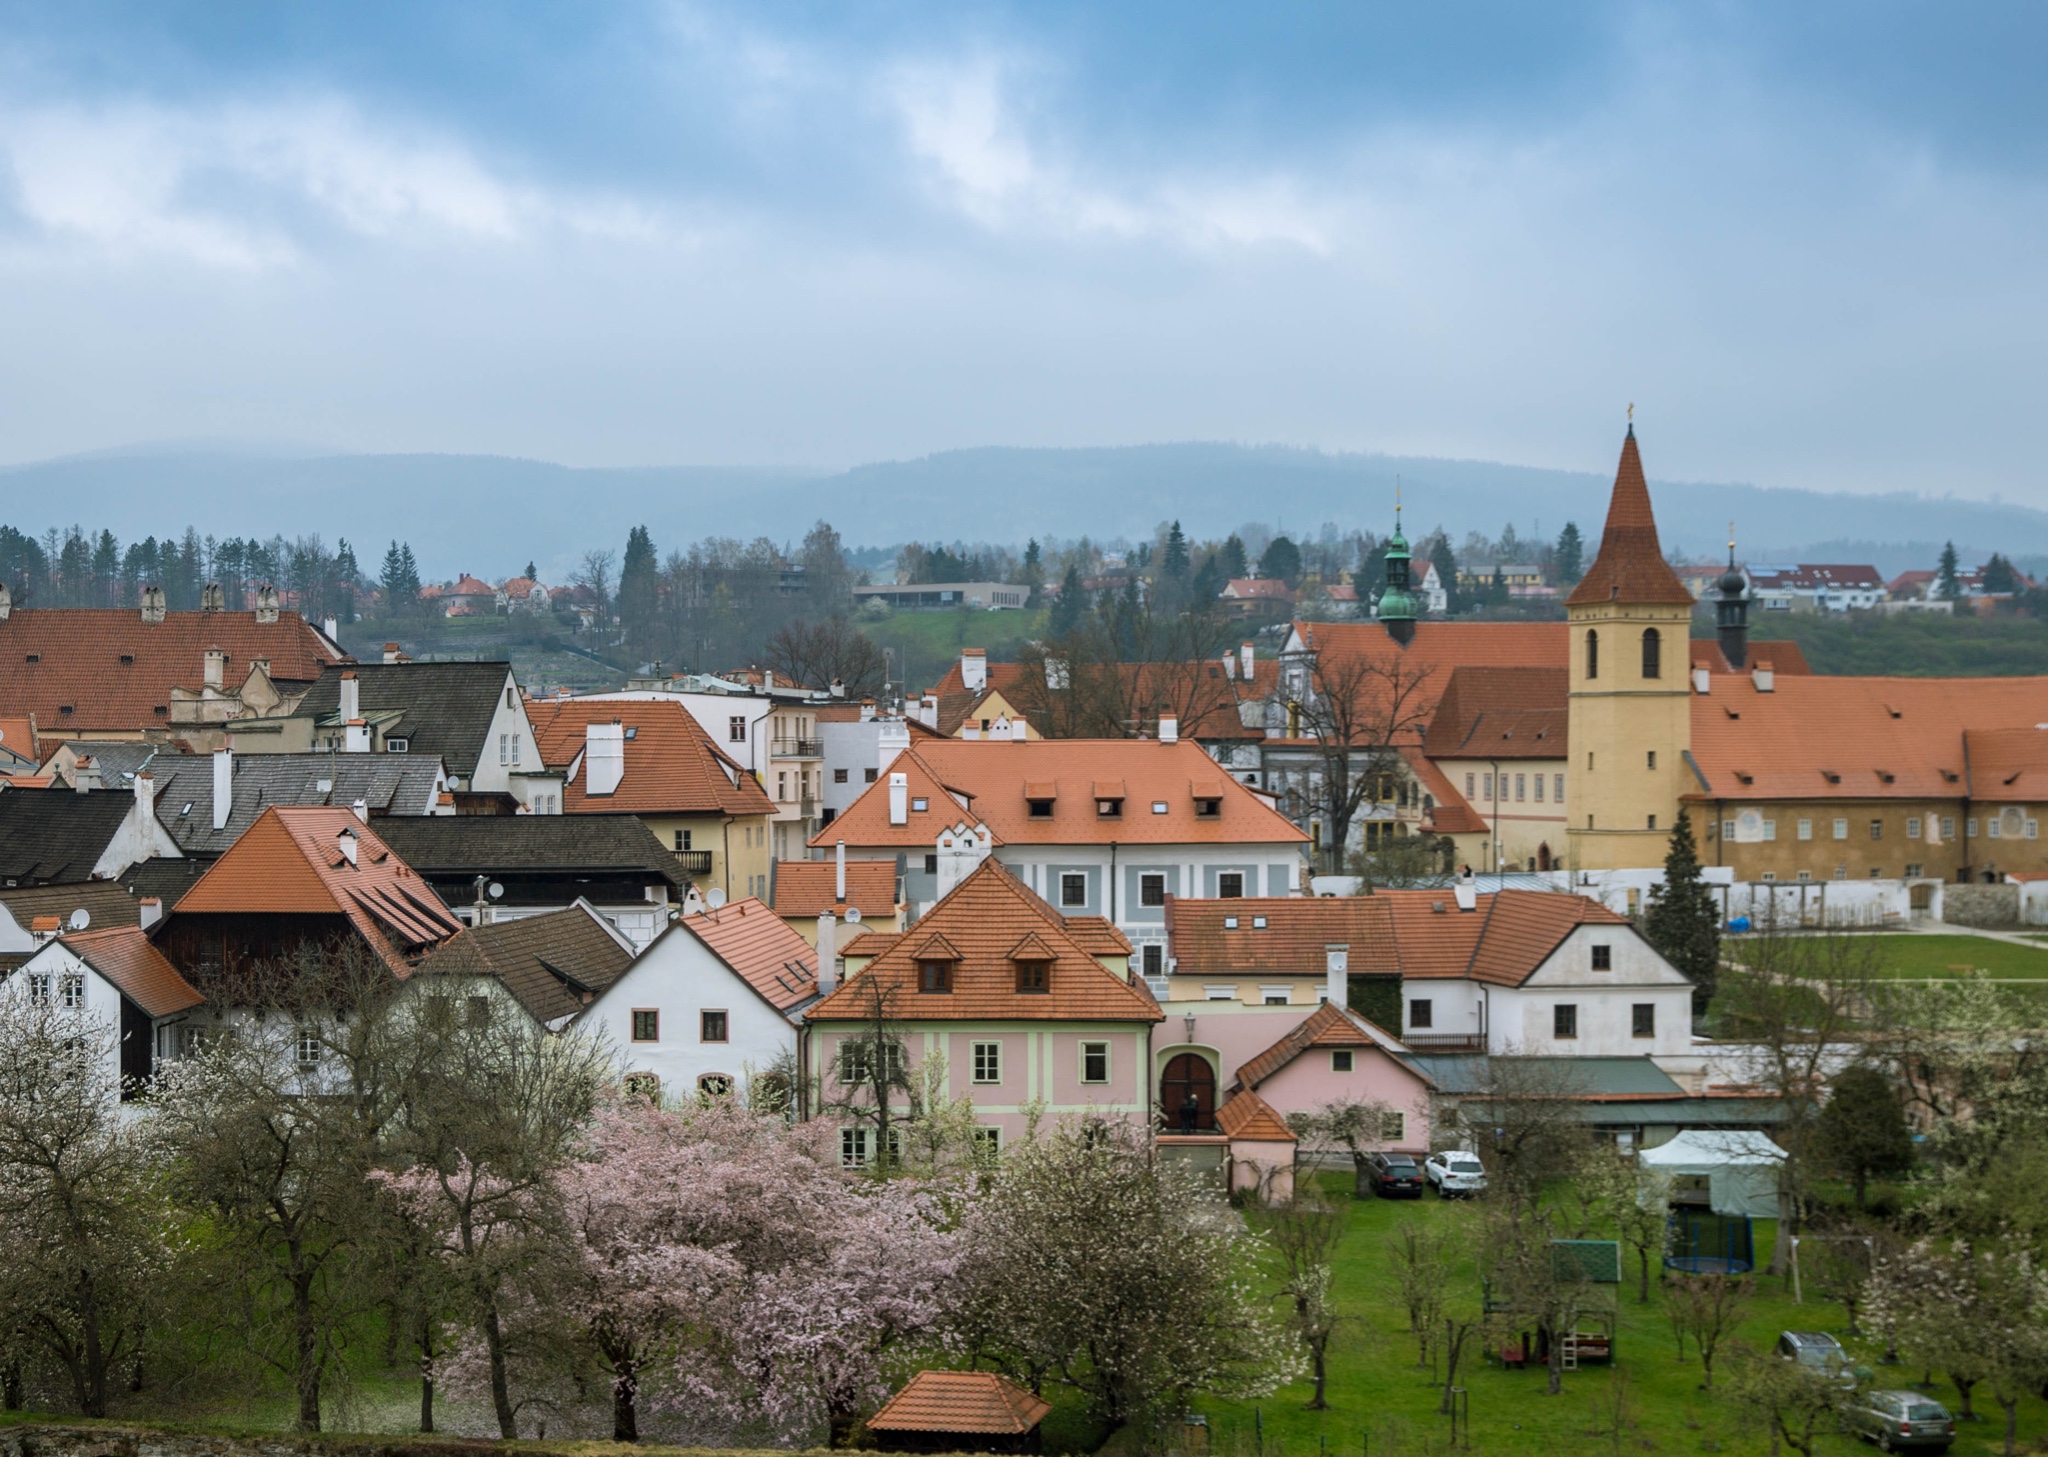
1980 905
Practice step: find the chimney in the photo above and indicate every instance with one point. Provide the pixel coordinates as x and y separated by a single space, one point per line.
393 653
899 799
867 710
6 602
148 911
1244 661
961 849
329 627
211 598
1702 681
604 757
355 737
1337 966
1764 679
223 786
266 603
893 739
152 603
768 679
349 848
45 929
85 774
145 793
839 874
216 669
928 710
361 809
971 730
351 696
838 687
973 669
1230 667
1467 891
1019 729
828 953
1169 728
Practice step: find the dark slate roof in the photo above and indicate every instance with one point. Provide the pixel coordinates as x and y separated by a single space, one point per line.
1590 1078
553 964
388 784
113 757
444 845
445 708
167 880
56 836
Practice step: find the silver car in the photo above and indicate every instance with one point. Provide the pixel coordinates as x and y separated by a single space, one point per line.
1901 1421
1456 1171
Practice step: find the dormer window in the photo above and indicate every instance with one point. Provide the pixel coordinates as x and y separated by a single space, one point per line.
935 976
1209 809
1041 809
1034 977
1107 809
397 746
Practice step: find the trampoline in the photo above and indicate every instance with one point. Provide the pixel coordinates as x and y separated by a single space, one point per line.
1700 1242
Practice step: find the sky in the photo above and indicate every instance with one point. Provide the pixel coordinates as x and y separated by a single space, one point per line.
1803 241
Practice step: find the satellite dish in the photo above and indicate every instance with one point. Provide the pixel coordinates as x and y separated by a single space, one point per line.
853 915
497 891
80 919
716 898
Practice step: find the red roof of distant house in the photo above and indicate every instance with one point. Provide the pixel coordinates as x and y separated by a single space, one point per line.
468 586
810 887
672 765
1630 567
977 1402
762 947
128 959
1268 589
106 670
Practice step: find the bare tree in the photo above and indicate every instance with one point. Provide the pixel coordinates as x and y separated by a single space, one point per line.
1361 710
1707 1308
1527 1115
594 575
829 651
1531 1282
1635 1197
1422 1273
1302 1235
873 1069
1117 678
1356 1126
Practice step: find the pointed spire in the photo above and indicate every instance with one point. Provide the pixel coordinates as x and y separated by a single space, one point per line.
1630 567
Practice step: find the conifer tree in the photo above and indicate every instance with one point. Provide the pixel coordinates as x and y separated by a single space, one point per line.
1571 555
1948 583
1069 612
1173 561
1683 924
637 587
400 580
1235 566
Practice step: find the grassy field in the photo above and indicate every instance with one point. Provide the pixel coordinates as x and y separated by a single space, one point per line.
922 645
1904 955
1383 1404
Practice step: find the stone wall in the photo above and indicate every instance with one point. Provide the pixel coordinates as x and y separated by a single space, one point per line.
1981 905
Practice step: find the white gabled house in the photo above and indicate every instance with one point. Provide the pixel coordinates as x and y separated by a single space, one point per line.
118 980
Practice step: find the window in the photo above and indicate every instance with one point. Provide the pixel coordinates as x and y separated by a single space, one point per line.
643 1085
935 976
1877 872
1651 756
1914 870
1603 958
1970 827
1643 1019
1564 1020
683 839
1948 827
1557 788
988 1144
1841 872
1108 809
1034 977
1770 829
1877 829
1230 885
1471 786
1727 829
1421 1012
1804 876
504 748
1208 809
988 1062
857 1063
1219 994
1393 1127
1841 829
919 804
1274 996
736 729
1152 890
1592 654
1159 806
1486 789
1651 823
1912 827
1519 783
1770 875
712 1027
71 989
478 1010
869 775
515 745
1539 789
1653 653
397 746
1095 1062
1155 960
1340 1059
839 776
39 988
646 1024
714 1085
2033 829
306 1047
1806 829
1073 887
853 1147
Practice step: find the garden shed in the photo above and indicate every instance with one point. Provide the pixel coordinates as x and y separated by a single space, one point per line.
959 1411
1733 1172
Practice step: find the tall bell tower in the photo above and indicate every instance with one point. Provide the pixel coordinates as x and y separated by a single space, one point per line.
1631 708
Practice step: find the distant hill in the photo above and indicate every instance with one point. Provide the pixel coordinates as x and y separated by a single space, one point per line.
490 514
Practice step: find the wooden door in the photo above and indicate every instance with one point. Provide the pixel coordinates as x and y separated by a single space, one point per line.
1188 1076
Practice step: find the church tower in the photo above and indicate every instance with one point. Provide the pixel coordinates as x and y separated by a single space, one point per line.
1396 604
1631 708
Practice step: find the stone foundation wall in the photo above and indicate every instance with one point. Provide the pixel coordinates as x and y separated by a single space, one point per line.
1994 906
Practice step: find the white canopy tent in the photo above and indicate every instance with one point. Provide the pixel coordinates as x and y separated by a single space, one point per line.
1739 1165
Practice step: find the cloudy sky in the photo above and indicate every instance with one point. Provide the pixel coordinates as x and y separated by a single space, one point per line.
1805 240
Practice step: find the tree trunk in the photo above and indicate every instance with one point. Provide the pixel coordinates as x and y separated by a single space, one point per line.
1318 1359
1360 1187
1963 1390
2012 1423
1556 1364
426 1393
625 1420
1643 1255
306 1350
501 1387
10 1384
95 1367
1862 1184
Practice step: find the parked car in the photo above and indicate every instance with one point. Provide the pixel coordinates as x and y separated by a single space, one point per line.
1818 1351
1394 1176
1457 1171
1901 1421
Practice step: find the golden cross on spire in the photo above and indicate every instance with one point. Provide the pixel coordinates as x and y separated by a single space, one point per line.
1631 412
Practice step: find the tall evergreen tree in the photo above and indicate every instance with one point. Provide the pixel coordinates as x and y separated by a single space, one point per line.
636 596
1209 583
1235 566
1999 575
400 580
1173 561
1072 608
1282 559
1031 573
1948 582
348 580
1571 555
106 569
1683 924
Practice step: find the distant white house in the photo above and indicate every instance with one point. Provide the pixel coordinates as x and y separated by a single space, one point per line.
118 980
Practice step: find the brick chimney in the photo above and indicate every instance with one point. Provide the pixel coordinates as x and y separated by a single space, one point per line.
211 598
152 603
266 603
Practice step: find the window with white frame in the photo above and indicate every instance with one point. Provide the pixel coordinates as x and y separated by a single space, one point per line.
1230 885
1806 829
1841 829
306 1047
853 1147
736 729
988 1144
1557 789
1152 890
988 1062
1095 1062
39 988
1073 888
504 748
1219 994
1912 827
1274 996
71 989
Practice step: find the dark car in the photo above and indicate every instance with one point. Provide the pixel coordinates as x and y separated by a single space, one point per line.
1394 1176
1901 1421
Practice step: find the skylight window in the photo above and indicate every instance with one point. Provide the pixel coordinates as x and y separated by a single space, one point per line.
1159 806
1230 923
919 804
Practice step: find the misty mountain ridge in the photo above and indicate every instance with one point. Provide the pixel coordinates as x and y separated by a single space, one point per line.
491 514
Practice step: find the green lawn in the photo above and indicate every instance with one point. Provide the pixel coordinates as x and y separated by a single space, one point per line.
1378 1393
1908 955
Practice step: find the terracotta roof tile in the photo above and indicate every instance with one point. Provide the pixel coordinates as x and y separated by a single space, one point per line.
1249 1117
1501 713
762 947
992 776
1782 654
1435 652
1328 1026
1292 941
66 665
870 943
810 887
125 956
977 1402
672 765
981 920
1630 566
1451 814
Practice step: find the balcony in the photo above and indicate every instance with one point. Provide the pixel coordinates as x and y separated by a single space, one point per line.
796 749
693 862
1445 1041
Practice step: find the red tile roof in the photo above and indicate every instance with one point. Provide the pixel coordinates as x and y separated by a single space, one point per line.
65 664
1328 1026
811 887
292 861
978 926
1270 589
672 765
1428 662
762 947
1630 567
1451 814
126 957
977 1402
990 776
1251 1118
1501 713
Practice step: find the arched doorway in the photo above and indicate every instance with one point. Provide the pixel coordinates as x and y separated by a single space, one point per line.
1543 856
1188 1075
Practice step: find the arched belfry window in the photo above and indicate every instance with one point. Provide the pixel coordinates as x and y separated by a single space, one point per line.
1592 653
1653 653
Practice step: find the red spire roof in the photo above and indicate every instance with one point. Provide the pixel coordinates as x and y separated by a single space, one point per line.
1630 567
